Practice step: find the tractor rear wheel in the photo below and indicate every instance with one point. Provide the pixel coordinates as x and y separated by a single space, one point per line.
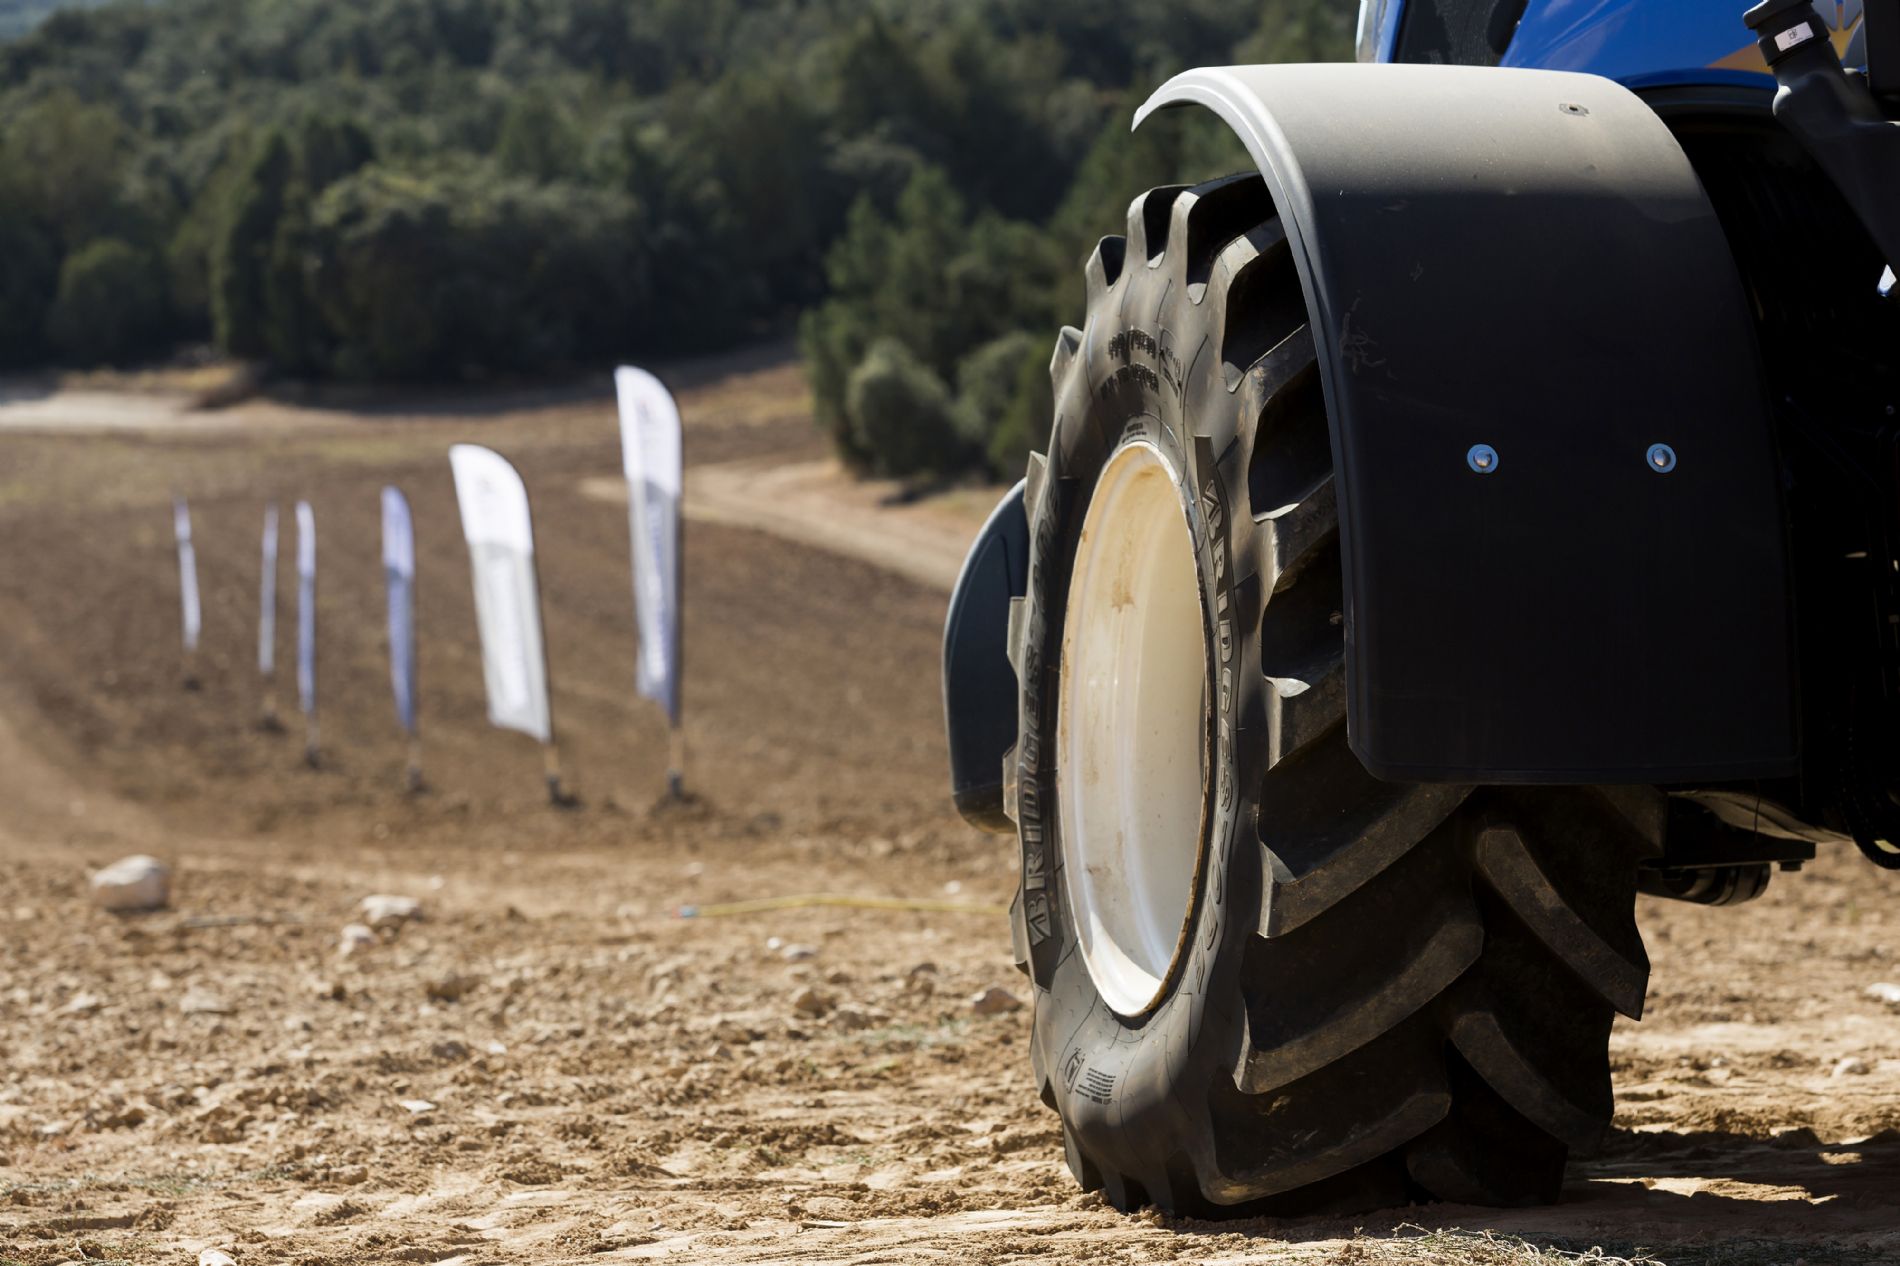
1265 980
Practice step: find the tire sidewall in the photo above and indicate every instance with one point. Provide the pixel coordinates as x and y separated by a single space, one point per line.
1120 1081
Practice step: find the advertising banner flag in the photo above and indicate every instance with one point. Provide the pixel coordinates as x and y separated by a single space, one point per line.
306 609
399 575
500 533
187 574
650 454
267 598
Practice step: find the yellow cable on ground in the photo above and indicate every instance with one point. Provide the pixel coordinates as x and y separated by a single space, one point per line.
803 900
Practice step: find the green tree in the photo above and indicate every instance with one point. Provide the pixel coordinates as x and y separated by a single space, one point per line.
246 263
1003 400
538 139
1300 31
29 278
66 159
110 305
902 415
465 271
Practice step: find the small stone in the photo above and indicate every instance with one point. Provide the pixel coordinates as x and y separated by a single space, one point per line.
1852 1066
355 936
352 1175
734 1033
82 1004
449 1049
812 1002
1885 992
212 1257
132 884
201 1001
451 988
798 953
849 1019
773 944
995 1000
416 1107
382 910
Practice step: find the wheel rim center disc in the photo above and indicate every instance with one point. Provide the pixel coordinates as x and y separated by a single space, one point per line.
1131 730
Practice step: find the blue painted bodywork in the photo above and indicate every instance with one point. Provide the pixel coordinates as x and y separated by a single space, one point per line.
1639 43
1625 39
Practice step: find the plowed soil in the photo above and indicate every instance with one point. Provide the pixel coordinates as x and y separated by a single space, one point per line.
553 1065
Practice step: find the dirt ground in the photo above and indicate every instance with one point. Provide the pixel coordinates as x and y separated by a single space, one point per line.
553 1065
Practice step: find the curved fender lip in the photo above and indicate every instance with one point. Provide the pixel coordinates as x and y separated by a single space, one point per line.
979 683
1525 259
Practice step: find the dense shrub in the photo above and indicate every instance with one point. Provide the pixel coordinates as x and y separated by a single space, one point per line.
110 305
1004 400
29 279
902 415
467 272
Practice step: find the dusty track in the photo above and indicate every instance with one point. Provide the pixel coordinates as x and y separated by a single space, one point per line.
611 1081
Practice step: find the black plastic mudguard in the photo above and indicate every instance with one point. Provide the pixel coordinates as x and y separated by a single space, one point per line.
979 685
1525 261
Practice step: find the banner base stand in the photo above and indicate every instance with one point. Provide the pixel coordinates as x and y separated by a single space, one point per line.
311 749
412 773
558 796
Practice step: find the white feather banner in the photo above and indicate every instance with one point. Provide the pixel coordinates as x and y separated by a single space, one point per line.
193 617
500 534
650 455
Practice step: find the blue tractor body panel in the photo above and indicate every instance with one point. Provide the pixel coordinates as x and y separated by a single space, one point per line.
1639 43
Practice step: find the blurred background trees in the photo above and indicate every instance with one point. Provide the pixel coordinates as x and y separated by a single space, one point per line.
442 189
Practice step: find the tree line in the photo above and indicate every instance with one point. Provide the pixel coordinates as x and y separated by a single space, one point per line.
459 189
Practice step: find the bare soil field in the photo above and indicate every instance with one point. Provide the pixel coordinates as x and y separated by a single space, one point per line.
551 1064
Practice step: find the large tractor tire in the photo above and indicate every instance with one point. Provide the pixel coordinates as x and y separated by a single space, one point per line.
1266 981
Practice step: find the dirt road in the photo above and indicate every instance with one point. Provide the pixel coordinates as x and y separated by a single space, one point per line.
552 1065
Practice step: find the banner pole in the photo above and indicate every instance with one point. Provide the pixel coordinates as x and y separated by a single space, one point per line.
676 764
412 777
551 771
311 746
676 773
267 622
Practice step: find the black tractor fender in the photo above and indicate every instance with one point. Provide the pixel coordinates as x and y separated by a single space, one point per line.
1562 530
979 683
1561 510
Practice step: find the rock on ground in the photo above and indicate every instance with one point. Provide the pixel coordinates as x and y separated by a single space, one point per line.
995 1000
383 910
813 1002
201 1001
132 884
355 936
